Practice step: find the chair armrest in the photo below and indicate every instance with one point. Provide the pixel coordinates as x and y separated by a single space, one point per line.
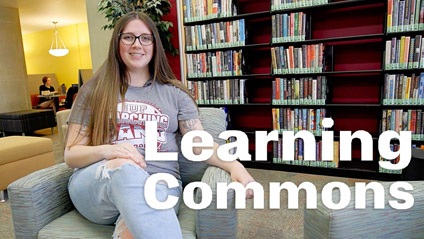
212 222
350 222
39 198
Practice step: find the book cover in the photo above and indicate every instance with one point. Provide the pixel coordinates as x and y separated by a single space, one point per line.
395 15
418 124
389 13
388 54
411 53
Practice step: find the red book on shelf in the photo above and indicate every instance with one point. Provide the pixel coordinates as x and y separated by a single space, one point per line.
313 56
413 121
277 89
291 57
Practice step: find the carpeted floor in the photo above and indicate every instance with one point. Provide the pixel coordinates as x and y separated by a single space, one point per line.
253 223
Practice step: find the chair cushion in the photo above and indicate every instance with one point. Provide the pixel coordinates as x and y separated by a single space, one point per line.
187 219
73 225
11 148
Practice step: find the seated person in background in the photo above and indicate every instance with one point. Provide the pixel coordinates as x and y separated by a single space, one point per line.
45 102
70 96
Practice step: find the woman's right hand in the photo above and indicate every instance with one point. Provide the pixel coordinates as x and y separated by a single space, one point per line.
124 150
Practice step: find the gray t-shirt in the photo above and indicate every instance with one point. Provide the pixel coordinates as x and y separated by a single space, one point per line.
165 104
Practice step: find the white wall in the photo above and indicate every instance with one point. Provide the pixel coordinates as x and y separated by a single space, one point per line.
99 39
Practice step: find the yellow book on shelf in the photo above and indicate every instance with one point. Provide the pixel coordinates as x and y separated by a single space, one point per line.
296 89
402 46
193 5
273 59
336 154
210 3
408 88
389 13
277 116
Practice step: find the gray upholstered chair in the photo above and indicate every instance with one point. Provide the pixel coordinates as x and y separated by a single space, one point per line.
41 206
322 223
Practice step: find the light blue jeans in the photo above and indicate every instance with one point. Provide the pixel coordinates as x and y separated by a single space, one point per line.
102 194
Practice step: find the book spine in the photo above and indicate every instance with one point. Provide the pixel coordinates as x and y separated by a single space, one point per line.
389 13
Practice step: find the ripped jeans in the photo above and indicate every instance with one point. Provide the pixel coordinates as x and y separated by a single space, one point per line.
101 194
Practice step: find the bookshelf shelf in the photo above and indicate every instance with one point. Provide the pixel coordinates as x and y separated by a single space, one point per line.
346 37
405 71
404 33
333 73
234 105
353 105
231 77
328 106
340 172
231 48
417 106
330 5
232 18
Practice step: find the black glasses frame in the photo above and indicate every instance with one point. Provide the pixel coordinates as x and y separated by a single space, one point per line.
135 38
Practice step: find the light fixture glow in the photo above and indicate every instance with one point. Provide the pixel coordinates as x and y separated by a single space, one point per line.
57 48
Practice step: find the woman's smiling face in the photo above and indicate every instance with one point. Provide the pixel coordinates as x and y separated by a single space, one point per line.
136 57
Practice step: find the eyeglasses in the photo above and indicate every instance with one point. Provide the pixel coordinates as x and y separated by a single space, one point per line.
144 39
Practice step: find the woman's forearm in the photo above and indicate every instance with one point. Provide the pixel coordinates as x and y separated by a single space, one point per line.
215 161
79 156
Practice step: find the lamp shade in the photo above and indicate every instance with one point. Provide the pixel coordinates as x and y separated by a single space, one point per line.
58 52
57 48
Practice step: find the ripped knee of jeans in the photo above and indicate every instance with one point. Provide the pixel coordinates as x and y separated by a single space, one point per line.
107 166
121 230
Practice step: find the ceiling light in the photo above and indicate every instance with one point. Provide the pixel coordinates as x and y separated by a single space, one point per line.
57 48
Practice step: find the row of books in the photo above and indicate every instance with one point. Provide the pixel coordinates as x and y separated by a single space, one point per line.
218 91
199 10
400 89
295 60
215 35
393 148
404 120
287 119
289 4
405 15
299 155
299 91
219 63
404 53
289 27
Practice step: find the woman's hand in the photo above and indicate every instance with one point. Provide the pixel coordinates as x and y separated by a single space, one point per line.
240 174
124 150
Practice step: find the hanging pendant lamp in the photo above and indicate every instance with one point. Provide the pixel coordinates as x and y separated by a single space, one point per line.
57 48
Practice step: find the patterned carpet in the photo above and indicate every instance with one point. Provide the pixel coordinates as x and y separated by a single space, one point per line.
253 223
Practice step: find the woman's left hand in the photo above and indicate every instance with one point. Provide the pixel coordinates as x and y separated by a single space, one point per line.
241 175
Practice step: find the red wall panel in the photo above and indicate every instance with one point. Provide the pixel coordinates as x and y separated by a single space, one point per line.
174 61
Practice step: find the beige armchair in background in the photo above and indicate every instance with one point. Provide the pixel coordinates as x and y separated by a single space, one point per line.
62 126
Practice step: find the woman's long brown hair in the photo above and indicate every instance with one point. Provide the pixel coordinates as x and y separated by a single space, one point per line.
112 79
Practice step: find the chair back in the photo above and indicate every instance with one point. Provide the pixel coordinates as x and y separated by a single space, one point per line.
34 100
213 121
62 127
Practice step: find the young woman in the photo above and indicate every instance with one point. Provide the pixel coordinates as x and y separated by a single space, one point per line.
45 103
106 137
